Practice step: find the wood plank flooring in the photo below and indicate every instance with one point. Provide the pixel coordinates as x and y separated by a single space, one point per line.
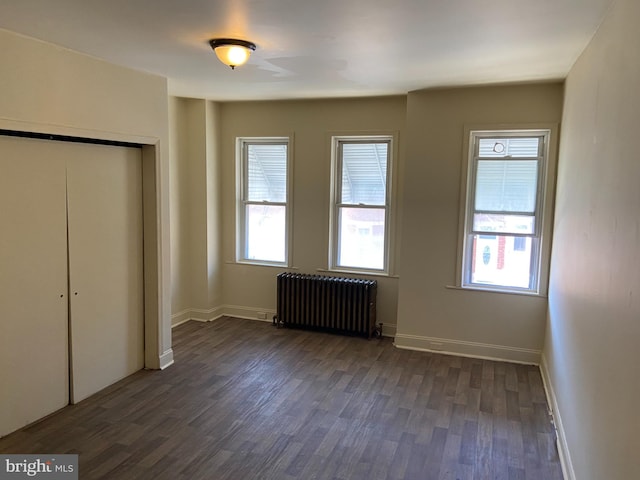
245 400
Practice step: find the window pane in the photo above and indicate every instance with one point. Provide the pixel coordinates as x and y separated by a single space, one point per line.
513 147
266 232
361 237
501 260
364 173
267 172
506 185
484 222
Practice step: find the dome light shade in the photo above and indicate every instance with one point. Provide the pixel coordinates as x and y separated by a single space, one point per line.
232 52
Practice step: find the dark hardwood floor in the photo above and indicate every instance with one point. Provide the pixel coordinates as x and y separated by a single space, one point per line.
245 400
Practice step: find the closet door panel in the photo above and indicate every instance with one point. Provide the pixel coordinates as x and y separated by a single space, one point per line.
34 371
104 188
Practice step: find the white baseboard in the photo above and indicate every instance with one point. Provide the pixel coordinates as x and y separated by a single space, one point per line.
563 447
249 313
202 315
166 359
468 349
180 317
197 314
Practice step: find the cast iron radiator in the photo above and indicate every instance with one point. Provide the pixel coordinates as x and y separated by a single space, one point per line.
341 305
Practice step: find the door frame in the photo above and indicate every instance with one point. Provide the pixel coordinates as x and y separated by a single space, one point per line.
155 210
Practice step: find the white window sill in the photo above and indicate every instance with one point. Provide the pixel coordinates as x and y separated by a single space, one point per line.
365 273
261 264
495 290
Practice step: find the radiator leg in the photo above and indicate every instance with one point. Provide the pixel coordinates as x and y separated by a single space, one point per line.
378 331
276 323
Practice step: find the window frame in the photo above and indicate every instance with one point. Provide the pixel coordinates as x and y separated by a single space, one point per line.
336 200
242 202
539 267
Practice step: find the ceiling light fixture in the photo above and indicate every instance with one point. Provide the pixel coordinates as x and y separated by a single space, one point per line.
232 52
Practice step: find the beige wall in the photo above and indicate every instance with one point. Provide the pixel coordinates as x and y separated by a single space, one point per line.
179 187
430 315
49 85
49 89
249 289
591 352
195 209
430 126
214 204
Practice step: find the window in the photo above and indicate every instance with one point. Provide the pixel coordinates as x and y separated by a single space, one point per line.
503 218
360 203
263 194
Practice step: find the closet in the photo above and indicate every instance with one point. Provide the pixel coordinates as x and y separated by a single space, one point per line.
71 273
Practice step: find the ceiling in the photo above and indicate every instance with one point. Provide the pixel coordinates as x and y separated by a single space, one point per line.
321 48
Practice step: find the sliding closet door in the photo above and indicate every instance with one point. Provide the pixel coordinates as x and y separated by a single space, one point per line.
34 379
104 188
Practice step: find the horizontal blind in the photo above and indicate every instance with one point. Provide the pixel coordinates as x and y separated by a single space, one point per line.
506 186
266 173
364 173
